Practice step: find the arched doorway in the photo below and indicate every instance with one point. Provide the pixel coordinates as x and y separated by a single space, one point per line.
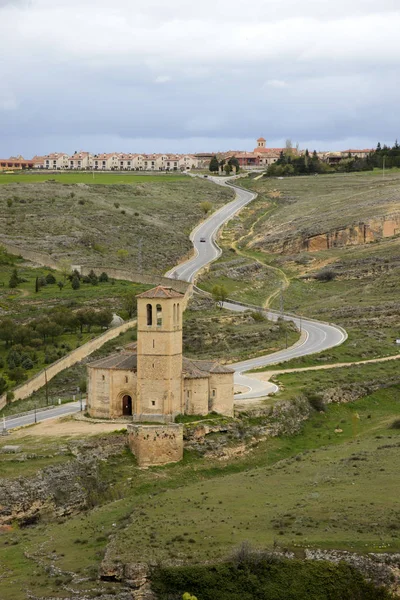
126 405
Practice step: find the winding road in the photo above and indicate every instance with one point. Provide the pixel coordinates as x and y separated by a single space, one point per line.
315 337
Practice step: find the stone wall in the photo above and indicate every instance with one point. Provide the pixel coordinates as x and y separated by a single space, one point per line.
45 260
156 444
38 381
106 388
195 395
222 401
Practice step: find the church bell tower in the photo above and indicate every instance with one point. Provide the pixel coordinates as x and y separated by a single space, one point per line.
159 354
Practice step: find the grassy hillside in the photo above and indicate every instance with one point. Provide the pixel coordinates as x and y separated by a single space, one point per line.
149 220
361 289
316 489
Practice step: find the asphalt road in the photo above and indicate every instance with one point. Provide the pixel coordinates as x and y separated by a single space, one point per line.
58 411
206 252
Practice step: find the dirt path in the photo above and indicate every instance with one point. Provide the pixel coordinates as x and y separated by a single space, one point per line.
266 375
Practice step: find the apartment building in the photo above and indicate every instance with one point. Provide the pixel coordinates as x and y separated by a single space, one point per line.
79 161
55 161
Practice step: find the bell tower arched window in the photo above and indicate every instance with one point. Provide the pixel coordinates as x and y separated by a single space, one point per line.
159 315
149 314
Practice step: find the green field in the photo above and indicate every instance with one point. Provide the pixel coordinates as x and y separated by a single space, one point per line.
96 178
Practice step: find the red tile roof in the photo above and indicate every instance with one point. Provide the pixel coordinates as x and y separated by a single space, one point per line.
160 292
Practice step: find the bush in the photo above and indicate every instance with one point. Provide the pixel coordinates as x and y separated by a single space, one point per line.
258 316
75 283
395 424
103 277
50 279
325 275
316 402
116 204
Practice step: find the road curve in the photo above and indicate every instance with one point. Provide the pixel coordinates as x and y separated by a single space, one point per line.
316 336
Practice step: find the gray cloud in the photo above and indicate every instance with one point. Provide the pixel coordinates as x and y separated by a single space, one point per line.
176 75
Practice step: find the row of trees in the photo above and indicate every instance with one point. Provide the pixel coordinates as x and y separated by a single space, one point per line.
310 164
48 328
75 279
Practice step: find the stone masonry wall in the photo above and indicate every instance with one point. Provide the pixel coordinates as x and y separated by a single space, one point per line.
156 444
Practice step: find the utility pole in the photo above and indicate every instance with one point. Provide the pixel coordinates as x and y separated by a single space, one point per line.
46 387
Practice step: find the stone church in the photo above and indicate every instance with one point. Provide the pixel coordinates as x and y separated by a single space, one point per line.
150 380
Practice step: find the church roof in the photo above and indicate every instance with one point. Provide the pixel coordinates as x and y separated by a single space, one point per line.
123 361
261 139
161 292
194 369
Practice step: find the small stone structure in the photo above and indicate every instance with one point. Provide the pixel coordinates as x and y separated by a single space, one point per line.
156 444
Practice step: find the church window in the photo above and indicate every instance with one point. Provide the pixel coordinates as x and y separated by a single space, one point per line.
177 313
149 314
174 314
214 393
153 402
126 379
154 344
159 315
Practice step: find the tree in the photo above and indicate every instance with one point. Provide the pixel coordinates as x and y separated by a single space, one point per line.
65 268
187 596
14 279
50 279
234 163
206 207
219 294
103 277
94 280
214 165
129 304
228 169
104 317
75 283
7 330
36 285
60 285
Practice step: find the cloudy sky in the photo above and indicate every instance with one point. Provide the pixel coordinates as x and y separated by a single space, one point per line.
157 75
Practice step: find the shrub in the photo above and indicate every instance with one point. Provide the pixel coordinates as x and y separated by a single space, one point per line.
395 424
103 277
75 284
50 279
123 212
316 402
9 202
116 204
9 397
14 281
81 201
325 275
258 316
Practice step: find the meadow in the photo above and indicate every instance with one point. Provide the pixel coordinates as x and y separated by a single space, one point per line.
89 178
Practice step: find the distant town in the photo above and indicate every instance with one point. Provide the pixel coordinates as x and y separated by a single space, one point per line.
260 157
